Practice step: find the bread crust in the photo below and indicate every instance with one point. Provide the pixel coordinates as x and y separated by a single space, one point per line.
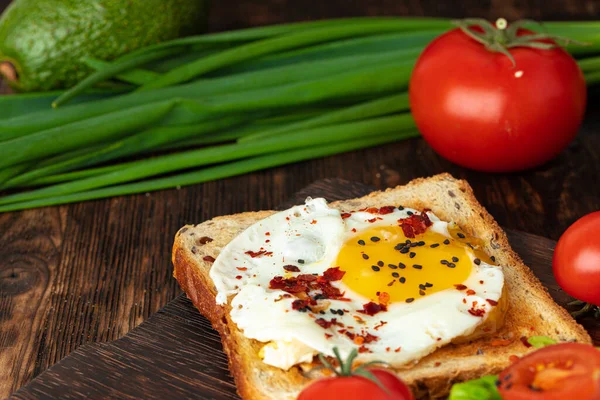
531 309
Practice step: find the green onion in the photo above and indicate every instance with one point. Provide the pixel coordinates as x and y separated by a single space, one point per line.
134 76
112 70
69 137
160 165
213 173
270 46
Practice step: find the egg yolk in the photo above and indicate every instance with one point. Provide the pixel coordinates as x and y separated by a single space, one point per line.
383 259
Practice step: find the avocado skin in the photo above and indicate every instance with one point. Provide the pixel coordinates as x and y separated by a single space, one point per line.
46 39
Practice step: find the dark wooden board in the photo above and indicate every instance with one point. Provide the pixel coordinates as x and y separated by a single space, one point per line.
176 354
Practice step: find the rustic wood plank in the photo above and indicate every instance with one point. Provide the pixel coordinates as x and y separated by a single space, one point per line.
92 272
176 354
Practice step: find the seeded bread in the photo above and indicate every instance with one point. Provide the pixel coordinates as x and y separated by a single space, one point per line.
531 310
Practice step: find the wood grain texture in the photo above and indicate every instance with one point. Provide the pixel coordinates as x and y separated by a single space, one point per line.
176 354
91 272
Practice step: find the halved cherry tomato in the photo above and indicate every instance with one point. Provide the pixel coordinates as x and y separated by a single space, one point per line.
576 262
569 371
356 387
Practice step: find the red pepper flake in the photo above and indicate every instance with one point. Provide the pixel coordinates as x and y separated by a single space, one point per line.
363 349
287 218
381 323
313 222
267 241
238 277
501 342
464 301
372 220
492 302
387 349
525 342
397 350
333 274
346 215
414 225
372 210
290 285
209 259
460 287
372 308
299 304
384 298
437 364
354 230
386 210
291 268
260 253
327 335
241 268
267 233
470 292
477 312
323 323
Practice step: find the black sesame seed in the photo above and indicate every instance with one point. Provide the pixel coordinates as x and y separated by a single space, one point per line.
433 246
399 246
454 259
380 263
412 254
392 266
402 280
417 266
443 262
410 212
415 244
421 243
333 311
401 265
422 287
460 235
493 258
400 208
340 312
366 257
404 250
410 300
477 261
375 268
507 377
446 241
407 241
375 239
497 383
451 265
300 261
395 274
422 292
427 284
361 242
322 312
319 297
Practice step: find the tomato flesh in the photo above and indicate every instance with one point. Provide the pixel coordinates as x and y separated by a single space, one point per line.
564 371
358 388
576 261
478 110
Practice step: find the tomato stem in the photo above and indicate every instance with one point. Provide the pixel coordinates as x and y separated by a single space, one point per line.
587 309
501 37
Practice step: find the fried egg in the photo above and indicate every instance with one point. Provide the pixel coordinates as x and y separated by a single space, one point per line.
392 282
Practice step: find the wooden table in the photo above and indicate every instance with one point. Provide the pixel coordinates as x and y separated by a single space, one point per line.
93 271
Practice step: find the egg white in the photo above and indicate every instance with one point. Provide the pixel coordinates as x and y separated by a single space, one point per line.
315 233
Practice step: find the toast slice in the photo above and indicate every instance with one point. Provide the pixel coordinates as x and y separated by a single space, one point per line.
531 310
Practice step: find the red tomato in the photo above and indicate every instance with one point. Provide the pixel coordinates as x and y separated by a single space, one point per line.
478 110
558 372
357 388
576 261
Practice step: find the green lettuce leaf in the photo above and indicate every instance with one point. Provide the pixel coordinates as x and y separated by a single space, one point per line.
478 389
540 341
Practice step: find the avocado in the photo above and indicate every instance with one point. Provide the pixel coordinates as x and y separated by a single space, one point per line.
43 41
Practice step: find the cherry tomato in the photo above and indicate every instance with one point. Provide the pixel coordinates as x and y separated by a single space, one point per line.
576 261
356 387
558 372
478 110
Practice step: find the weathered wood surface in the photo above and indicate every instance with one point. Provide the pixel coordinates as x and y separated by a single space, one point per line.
176 354
91 272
